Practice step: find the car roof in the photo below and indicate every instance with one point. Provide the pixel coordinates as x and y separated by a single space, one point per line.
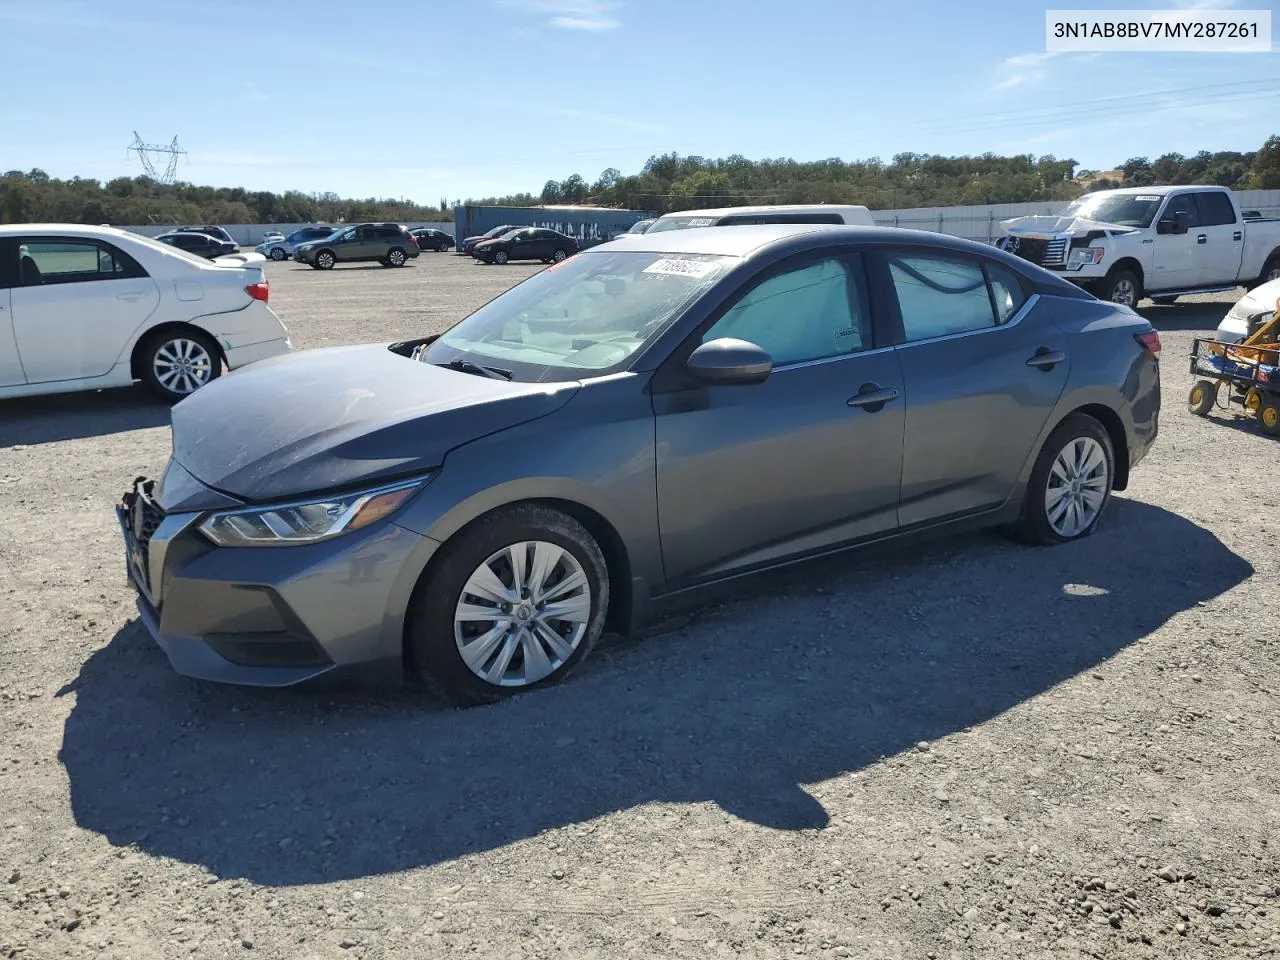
61 230
768 208
1156 191
739 241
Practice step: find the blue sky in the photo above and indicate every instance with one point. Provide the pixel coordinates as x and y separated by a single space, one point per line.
431 98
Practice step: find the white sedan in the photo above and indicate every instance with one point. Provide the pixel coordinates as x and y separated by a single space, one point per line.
83 308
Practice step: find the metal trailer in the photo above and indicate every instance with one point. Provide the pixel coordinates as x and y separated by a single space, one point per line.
587 225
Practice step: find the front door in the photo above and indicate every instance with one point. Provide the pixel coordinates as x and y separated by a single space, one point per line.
77 306
1176 258
753 474
974 403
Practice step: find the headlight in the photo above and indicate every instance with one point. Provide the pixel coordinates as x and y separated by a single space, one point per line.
1086 256
307 521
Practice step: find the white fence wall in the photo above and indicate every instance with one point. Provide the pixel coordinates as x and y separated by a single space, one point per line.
981 223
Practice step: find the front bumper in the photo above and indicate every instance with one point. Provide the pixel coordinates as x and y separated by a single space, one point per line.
270 616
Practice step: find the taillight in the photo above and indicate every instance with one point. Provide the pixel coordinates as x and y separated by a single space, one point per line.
1150 341
260 291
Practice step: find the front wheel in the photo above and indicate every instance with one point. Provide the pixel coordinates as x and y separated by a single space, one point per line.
325 260
1070 484
514 603
177 363
1122 287
501 257
1203 395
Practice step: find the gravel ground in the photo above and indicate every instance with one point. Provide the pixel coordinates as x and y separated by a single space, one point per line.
969 748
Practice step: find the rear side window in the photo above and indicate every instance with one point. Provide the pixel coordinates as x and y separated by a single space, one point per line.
44 262
1007 293
1215 208
941 296
390 233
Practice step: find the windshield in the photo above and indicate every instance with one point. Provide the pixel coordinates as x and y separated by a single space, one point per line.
640 226
679 223
497 232
1127 210
585 316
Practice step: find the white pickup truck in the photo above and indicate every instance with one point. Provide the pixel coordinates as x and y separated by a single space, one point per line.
1159 242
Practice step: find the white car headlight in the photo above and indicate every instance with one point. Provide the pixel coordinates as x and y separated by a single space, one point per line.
1086 256
307 521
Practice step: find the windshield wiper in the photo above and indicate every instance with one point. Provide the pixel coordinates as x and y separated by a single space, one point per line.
466 366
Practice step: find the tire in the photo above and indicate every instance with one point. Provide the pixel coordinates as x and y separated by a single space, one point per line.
559 256
435 636
1164 301
396 257
175 363
1269 416
1077 434
325 260
277 254
1122 287
1203 395
501 257
1270 271
442 248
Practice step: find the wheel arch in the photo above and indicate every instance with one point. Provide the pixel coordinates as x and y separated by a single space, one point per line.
1114 425
136 360
1132 264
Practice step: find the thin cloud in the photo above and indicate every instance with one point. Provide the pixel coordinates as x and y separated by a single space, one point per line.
592 16
1023 69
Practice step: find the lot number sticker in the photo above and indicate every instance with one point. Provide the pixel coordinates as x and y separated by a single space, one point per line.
683 268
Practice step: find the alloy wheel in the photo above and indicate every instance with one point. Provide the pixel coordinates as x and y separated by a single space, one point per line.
522 613
1125 293
182 366
1077 487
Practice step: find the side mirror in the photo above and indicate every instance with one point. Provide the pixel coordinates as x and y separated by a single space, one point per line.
1178 223
728 361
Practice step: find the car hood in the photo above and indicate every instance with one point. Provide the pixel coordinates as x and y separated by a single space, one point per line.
336 417
1050 227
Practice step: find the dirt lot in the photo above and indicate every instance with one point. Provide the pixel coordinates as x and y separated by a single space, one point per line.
967 749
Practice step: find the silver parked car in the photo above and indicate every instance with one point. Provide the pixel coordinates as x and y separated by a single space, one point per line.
283 249
638 422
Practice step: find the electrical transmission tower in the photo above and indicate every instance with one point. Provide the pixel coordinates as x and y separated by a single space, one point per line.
144 152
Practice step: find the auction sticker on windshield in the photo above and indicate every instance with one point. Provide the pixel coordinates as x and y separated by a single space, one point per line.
701 222
682 268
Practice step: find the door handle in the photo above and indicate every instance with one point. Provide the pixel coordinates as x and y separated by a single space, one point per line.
1237 235
1201 238
1046 359
872 397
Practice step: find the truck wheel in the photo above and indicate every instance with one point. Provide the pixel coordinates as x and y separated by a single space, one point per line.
1271 271
1164 301
1202 397
1122 287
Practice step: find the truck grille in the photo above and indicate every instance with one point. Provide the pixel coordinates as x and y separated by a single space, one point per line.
1047 253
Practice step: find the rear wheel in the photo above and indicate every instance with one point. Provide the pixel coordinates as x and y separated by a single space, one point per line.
1269 416
396 257
514 603
325 260
176 363
559 255
1070 485
1202 397
277 254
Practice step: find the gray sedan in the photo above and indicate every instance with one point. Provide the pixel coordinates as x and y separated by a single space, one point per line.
624 428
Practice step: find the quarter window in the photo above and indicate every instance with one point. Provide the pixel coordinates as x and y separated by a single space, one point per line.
808 313
941 296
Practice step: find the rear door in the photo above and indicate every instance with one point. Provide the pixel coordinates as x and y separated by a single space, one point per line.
10 362
975 403
77 306
1219 238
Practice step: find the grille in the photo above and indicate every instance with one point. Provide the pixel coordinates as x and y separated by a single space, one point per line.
1047 253
1055 252
152 515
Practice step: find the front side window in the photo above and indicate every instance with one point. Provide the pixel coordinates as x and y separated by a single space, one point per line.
587 315
808 313
941 296
1183 203
42 262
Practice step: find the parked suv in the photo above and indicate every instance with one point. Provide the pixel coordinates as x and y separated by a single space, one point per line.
386 243
282 249
218 233
201 244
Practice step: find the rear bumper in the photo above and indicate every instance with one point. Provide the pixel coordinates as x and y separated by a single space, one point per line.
242 356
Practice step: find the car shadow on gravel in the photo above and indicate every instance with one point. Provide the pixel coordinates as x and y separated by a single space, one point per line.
800 679
76 416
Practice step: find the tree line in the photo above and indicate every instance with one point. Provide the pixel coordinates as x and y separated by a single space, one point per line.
667 182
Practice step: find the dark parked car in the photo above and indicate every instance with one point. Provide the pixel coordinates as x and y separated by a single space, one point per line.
469 243
218 233
386 243
527 243
201 244
429 238
645 419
